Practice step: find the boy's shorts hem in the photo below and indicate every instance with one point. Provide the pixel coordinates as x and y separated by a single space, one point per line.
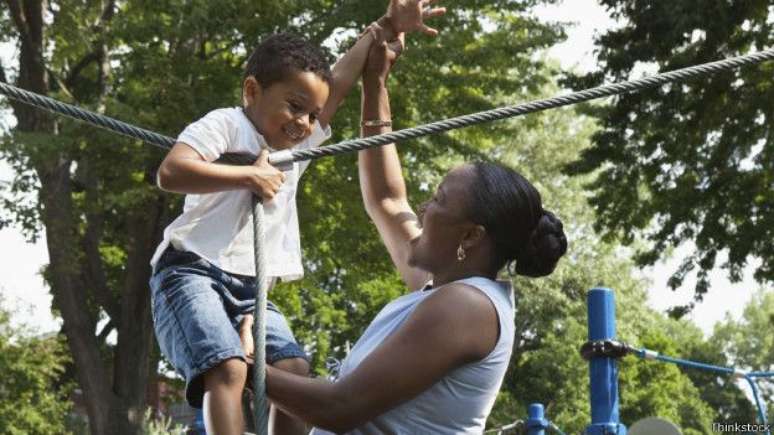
194 389
290 350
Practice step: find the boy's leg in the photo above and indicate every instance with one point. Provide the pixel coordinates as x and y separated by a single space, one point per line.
286 424
196 334
223 385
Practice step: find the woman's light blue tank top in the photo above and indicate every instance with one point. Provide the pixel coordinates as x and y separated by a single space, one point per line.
461 401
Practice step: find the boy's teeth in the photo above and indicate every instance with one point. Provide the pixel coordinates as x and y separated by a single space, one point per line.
293 134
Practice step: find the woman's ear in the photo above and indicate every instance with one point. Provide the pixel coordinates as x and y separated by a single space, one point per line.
473 236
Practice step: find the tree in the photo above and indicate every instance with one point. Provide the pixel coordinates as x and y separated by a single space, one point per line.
691 161
749 344
163 64
31 401
720 392
64 51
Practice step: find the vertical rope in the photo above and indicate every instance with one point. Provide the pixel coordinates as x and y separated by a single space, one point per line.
261 405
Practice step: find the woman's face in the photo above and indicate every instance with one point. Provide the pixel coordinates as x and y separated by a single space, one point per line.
443 222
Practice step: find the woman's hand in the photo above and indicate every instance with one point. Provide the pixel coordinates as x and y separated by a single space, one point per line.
383 53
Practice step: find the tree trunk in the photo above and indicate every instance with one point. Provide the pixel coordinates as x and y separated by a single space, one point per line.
55 197
135 330
117 406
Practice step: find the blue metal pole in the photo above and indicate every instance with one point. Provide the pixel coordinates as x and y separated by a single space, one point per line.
536 424
603 372
198 424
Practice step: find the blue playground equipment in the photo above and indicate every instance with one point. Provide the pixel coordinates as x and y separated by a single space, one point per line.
603 370
603 351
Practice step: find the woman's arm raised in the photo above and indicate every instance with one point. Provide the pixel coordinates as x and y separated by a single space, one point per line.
381 178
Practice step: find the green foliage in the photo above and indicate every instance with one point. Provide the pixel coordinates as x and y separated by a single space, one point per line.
664 390
687 161
173 61
160 426
31 399
749 344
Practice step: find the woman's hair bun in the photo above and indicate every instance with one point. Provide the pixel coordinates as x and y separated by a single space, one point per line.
546 245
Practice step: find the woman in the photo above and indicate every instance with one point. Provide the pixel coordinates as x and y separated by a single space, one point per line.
433 360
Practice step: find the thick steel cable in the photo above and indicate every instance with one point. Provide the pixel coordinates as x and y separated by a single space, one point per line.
92 118
287 156
517 425
534 106
106 122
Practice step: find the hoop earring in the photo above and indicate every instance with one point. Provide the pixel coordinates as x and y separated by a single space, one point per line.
460 253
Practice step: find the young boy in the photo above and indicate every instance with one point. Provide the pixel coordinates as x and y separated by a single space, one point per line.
203 272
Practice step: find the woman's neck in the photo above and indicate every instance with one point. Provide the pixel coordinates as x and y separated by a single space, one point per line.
456 274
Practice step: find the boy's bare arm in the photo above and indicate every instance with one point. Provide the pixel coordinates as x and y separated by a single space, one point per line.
402 16
406 16
185 171
345 74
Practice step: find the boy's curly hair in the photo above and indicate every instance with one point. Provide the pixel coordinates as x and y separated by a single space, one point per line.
281 54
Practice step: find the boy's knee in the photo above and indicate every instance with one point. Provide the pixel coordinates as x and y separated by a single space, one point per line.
298 366
231 372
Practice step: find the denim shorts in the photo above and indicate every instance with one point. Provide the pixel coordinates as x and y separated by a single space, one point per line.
196 312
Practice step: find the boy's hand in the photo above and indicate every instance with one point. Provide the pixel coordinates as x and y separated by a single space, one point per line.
409 15
264 179
246 336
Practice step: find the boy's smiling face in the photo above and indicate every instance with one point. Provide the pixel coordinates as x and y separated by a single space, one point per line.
285 111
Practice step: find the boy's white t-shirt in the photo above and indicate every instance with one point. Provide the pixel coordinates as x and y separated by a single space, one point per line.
218 226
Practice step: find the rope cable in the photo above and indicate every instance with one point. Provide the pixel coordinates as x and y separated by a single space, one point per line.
517 425
260 402
96 119
287 156
534 106
555 428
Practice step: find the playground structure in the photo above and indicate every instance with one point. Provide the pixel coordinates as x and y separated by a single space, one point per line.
603 351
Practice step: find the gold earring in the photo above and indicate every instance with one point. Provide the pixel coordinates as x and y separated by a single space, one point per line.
460 253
